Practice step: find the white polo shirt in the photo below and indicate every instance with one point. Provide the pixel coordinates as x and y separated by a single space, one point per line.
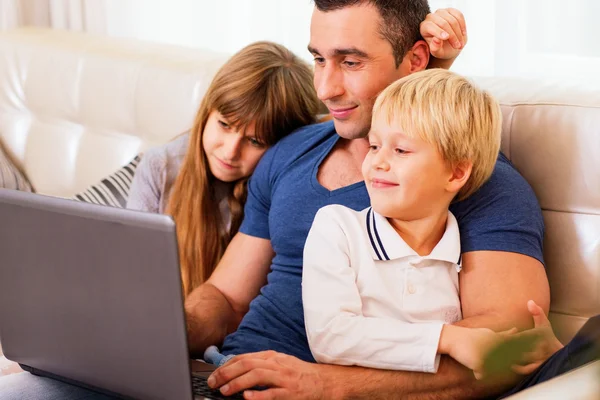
371 300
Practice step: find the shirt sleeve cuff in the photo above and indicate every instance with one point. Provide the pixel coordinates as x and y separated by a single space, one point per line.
431 358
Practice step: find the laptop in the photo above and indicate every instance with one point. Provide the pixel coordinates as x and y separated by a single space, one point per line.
91 295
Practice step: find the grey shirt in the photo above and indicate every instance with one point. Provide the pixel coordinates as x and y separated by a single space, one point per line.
156 174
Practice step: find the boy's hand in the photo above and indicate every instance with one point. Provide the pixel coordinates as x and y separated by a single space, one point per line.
470 346
445 31
475 346
546 345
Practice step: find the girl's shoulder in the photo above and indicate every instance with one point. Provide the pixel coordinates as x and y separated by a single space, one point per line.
177 148
168 154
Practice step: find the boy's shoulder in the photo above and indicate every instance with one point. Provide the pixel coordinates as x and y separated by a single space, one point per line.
342 215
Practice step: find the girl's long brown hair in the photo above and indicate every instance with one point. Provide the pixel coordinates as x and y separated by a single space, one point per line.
264 84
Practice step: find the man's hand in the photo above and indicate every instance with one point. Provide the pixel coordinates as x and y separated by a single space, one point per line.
546 345
285 377
445 31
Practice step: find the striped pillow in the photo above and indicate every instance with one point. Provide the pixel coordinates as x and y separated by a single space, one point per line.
11 176
112 190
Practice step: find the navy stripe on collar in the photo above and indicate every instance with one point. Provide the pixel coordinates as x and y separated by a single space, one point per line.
371 216
379 239
371 235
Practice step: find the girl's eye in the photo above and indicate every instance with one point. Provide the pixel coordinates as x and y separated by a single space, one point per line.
254 142
223 124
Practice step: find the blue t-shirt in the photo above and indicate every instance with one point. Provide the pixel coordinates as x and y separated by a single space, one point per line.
284 196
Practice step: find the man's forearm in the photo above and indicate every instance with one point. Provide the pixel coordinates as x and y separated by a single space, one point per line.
498 322
452 381
209 318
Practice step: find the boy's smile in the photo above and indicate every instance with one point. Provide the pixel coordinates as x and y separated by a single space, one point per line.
406 177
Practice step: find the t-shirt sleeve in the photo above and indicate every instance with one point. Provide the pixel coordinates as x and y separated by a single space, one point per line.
504 215
258 202
146 188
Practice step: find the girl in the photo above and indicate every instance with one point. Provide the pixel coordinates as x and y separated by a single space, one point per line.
263 93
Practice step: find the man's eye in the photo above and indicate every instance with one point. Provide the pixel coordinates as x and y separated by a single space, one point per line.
319 60
351 64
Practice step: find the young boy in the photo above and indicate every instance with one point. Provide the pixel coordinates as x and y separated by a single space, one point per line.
380 286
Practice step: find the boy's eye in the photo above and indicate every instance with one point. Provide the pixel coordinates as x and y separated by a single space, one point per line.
373 147
400 151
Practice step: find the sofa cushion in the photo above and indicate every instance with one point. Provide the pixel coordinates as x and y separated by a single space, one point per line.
112 190
75 107
550 133
11 176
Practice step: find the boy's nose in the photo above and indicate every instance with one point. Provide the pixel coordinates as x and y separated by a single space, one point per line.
380 161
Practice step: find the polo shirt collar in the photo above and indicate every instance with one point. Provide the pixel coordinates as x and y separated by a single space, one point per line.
386 244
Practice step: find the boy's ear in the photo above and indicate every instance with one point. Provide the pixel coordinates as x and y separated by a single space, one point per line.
461 173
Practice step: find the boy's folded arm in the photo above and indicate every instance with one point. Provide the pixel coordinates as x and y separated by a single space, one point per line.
485 279
382 343
485 304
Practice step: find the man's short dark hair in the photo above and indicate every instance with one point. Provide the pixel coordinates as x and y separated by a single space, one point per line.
401 20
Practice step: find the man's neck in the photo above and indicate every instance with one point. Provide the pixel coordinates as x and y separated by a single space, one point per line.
422 235
356 148
342 167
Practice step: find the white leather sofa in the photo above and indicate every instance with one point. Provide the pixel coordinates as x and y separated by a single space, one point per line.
74 108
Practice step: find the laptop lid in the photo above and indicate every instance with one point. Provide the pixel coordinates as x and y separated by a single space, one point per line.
93 294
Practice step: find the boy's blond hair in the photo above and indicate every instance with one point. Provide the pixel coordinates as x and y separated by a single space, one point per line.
448 111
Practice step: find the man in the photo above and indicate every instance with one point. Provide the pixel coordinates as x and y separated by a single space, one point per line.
225 299
357 54
359 48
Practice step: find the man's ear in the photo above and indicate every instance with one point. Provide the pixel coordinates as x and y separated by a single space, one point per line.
419 56
461 173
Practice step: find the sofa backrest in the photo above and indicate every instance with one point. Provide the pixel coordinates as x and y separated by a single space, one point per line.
552 135
75 107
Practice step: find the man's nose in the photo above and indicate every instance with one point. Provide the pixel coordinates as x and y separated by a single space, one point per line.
329 82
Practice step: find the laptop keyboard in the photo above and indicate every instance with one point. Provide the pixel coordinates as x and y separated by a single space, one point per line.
201 388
